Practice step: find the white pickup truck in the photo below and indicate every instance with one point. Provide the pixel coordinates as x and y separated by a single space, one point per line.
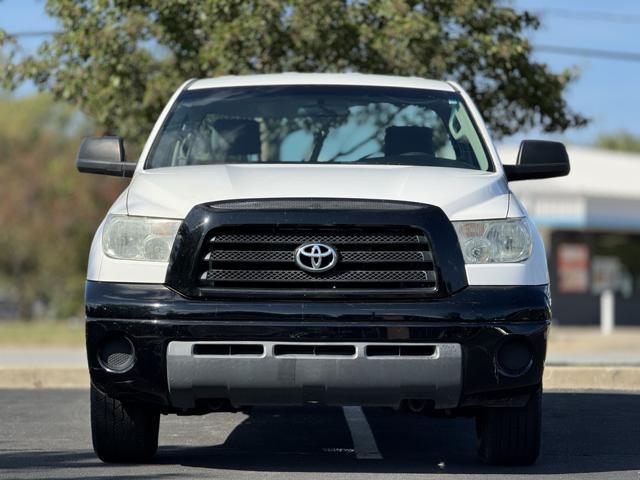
336 239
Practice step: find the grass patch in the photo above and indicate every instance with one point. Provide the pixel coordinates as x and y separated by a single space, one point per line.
59 333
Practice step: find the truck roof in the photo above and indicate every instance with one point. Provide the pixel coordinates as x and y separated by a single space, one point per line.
293 78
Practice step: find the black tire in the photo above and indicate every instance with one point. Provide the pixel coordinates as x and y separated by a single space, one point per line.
123 432
510 436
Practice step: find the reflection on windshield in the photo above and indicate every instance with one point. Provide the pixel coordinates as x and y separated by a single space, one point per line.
332 124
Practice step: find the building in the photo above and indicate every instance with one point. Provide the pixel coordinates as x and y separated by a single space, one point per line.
590 223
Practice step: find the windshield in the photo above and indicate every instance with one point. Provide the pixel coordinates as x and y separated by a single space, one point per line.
319 124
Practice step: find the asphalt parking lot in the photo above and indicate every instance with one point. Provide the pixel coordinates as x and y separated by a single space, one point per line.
45 434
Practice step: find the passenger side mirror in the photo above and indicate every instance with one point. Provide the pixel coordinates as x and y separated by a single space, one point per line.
539 159
104 156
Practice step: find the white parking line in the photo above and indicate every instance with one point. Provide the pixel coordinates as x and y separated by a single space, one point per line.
364 442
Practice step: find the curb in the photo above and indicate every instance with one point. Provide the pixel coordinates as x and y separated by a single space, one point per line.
44 377
622 378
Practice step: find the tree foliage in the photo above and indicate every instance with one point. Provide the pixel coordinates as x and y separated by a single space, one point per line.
119 60
48 212
622 140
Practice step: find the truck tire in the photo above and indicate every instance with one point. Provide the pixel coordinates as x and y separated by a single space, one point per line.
510 435
123 432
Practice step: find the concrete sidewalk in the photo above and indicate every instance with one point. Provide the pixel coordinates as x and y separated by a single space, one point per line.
42 356
567 346
578 358
586 346
620 378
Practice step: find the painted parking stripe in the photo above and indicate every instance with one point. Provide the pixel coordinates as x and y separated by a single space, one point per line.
364 442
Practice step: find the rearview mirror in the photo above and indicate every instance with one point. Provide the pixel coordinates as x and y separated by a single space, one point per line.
539 159
104 156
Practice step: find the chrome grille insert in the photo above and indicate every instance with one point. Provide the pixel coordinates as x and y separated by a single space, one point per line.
263 258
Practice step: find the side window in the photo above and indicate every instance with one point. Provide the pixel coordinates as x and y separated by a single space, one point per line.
465 135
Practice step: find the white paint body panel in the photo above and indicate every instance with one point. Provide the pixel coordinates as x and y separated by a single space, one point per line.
293 78
462 194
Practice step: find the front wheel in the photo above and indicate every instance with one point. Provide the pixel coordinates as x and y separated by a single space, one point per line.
511 435
123 432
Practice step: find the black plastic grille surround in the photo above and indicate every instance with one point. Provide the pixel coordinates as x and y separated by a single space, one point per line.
245 250
368 257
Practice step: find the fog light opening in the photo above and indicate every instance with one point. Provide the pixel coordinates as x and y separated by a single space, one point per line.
514 357
416 405
117 354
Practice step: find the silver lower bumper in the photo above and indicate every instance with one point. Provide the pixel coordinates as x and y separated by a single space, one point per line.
288 373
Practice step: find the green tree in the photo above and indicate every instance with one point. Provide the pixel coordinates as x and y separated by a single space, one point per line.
119 60
622 140
48 212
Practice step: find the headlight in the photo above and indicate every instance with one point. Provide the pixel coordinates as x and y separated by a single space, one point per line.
139 238
494 241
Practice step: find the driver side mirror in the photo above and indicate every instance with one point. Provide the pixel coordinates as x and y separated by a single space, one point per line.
539 159
104 156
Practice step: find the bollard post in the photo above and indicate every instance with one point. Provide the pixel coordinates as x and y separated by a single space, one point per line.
607 312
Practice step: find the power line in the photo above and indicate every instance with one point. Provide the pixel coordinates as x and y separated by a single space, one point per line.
36 33
590 52
557 49
593 15
590 15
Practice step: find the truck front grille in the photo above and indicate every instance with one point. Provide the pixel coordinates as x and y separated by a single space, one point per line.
368 258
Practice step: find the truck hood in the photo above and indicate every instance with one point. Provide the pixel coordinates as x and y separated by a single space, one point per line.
463 194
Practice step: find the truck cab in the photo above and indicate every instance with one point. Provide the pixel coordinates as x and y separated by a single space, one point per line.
332 239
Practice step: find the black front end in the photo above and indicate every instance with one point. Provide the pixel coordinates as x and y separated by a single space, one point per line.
398 278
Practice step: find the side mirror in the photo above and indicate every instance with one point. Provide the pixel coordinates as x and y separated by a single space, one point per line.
104 156
539 159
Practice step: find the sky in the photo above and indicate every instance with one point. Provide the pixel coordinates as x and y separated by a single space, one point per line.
607 92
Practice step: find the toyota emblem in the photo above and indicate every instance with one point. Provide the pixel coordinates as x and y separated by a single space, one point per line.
316 257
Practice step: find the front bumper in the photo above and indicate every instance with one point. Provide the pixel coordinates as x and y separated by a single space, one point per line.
468 328
296 373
